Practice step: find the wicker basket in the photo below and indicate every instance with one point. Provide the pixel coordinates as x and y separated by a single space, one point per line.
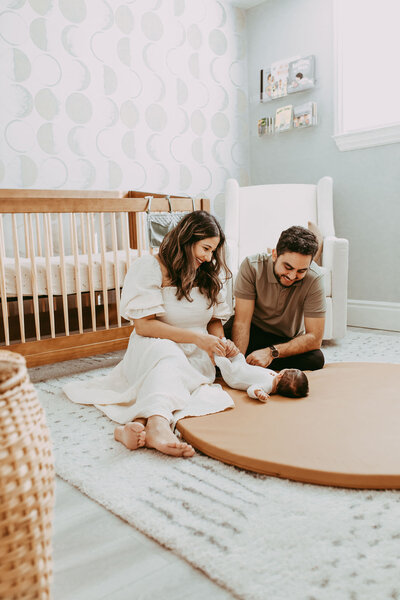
26 486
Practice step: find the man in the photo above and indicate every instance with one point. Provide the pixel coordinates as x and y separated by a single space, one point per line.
280 305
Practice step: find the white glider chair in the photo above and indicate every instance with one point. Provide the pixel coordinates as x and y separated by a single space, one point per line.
256 215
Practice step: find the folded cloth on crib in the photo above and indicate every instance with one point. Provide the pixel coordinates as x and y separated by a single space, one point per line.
70 275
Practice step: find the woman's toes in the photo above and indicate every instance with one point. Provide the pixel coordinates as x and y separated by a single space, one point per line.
131 435
188 452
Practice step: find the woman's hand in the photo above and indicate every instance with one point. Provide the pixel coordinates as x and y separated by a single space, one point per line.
230 349
211 344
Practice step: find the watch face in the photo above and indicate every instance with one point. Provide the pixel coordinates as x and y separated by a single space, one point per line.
274 352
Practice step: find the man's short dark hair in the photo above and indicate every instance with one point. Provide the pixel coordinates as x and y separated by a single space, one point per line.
297 239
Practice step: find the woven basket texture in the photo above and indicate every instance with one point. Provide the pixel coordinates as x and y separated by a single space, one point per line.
26 486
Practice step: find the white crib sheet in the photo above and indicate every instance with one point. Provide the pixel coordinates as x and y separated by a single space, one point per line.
55 268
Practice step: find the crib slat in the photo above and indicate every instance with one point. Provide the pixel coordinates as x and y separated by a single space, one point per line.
94 235
27 250
83 249
48 248
125 238
3 291
38 236
18 278
78 287
90 270
104 271
63 277
116 266
35 295
138 233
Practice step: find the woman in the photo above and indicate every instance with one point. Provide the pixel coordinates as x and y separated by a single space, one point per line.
176 302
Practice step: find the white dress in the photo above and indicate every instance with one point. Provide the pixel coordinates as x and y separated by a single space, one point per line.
158 376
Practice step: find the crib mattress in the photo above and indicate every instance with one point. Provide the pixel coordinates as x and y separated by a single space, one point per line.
70 276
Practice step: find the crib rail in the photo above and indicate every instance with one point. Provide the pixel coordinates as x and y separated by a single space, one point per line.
63 259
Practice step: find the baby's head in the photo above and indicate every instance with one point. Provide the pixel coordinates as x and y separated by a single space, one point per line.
292 383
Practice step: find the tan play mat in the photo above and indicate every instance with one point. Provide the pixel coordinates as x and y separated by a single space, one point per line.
346 432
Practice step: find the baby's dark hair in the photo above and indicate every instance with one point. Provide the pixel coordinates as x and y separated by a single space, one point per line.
293 383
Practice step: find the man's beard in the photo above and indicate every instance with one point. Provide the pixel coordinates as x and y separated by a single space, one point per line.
279 277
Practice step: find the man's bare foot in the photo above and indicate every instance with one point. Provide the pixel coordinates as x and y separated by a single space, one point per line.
261 395
160 437
131 435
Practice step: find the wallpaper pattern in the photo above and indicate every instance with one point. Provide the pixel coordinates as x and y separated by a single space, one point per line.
145 94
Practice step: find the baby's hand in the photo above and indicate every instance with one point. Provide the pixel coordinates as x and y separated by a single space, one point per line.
230 349
261 395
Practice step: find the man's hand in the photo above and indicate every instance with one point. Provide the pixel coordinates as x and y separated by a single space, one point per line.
260 358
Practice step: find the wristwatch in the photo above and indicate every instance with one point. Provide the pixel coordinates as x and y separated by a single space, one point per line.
274 351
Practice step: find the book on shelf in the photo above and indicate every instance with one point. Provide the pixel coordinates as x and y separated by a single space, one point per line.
284 118
279 78
305 115
301 75
265 126
265 85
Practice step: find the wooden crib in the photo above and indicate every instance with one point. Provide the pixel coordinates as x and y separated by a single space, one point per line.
63 260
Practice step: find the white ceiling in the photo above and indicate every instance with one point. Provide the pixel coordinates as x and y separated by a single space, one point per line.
244 3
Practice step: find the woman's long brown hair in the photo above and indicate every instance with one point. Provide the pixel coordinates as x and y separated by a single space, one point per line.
176 253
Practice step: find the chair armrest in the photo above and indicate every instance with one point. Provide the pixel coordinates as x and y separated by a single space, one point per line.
335 258
232 260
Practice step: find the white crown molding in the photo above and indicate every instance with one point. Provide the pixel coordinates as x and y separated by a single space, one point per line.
374 315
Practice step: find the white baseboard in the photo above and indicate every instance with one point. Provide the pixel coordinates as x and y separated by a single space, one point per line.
374 315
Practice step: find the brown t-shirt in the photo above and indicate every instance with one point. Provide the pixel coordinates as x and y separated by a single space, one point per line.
280 310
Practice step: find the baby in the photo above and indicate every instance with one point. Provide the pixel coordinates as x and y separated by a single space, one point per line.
260 382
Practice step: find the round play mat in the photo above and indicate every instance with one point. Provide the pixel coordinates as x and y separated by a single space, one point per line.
346 432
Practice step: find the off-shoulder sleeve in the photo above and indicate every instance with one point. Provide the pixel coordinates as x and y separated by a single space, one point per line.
141 293
221 308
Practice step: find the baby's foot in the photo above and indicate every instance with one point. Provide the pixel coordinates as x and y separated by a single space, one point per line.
261 395
131 435
160 437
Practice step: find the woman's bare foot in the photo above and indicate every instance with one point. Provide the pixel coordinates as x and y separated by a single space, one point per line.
261 395
131 435
160 437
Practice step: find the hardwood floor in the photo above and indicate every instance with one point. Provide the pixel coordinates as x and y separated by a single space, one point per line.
97 556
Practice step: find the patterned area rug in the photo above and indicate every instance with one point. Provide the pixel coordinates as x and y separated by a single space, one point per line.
257 536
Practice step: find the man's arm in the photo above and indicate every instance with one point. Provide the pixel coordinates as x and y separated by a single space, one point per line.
310 340
241 324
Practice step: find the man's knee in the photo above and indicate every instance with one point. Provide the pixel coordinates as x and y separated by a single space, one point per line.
316 360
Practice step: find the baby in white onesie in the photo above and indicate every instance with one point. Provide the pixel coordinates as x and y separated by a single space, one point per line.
259 382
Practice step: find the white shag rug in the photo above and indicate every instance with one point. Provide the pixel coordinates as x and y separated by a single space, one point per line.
257 536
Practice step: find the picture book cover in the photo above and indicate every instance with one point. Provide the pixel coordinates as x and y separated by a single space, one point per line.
283 118
303 115
279 78
301 75
266 85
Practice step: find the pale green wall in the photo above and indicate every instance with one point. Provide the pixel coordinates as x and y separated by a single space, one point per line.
366 182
